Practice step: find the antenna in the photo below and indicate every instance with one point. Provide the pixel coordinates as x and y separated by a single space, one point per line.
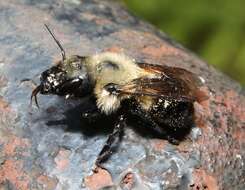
58 43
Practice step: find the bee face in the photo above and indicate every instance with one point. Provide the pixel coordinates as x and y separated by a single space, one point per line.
52 80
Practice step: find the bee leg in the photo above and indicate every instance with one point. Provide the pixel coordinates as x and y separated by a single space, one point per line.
91 115
147 119
32 82
111 140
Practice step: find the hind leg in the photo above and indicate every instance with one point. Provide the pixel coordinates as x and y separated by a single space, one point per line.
112 139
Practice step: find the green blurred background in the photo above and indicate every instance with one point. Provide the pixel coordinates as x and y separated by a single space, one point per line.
213 29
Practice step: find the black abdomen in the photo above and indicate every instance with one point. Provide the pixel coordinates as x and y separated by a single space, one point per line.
174 116
169 118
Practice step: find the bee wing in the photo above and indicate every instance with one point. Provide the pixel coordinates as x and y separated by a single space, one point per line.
173 72
173 84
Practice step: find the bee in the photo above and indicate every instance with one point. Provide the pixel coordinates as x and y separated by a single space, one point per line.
160 97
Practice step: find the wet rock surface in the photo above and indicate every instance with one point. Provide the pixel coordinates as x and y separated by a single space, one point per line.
51 148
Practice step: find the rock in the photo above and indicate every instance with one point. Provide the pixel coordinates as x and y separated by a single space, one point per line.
51 148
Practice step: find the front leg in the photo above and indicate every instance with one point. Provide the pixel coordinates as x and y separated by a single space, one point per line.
92 115
111 140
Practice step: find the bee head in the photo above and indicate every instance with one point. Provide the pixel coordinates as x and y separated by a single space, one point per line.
67 78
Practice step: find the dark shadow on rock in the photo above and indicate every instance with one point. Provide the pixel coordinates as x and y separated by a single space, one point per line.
75 123
104 125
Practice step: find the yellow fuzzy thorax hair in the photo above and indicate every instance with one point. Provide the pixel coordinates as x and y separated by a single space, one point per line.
114 68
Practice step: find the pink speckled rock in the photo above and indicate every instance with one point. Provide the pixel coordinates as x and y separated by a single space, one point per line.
51 148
